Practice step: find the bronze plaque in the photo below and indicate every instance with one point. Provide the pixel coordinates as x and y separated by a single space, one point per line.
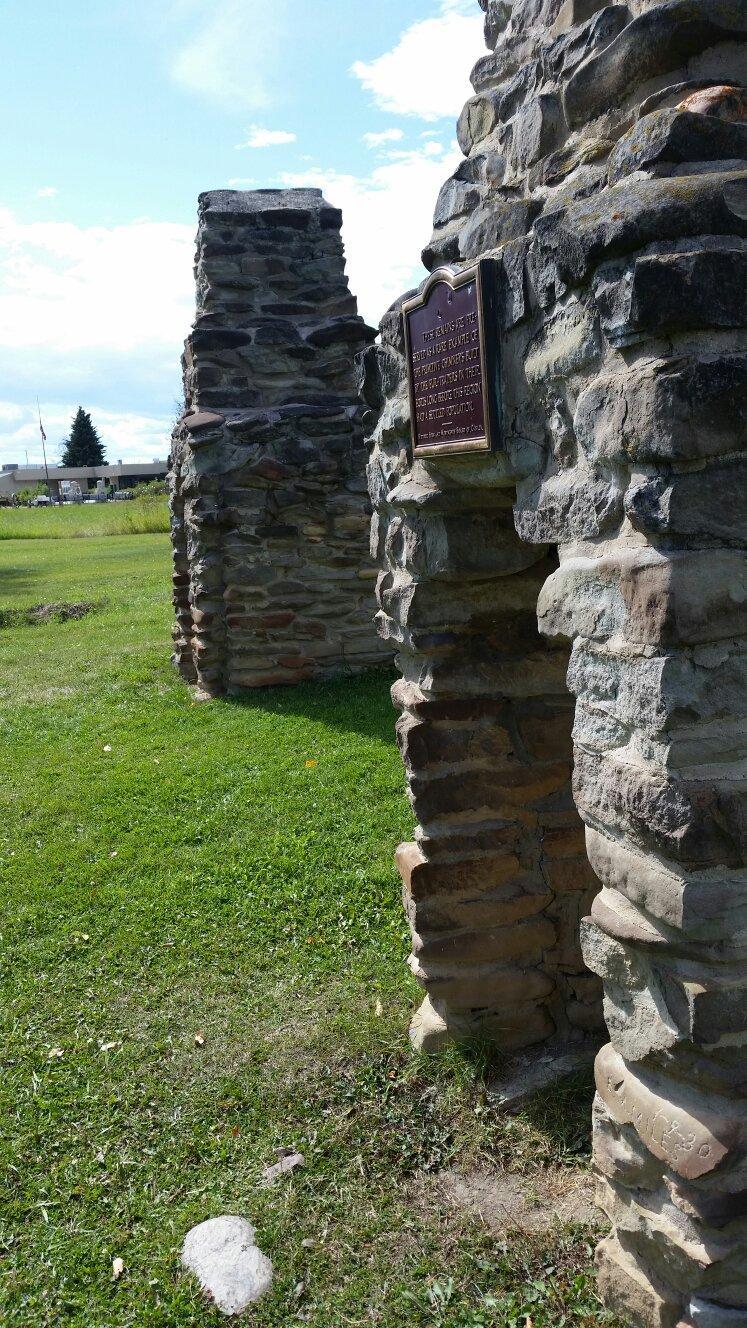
451 362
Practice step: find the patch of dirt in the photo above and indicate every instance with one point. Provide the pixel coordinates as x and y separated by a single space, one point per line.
504 1200
38 614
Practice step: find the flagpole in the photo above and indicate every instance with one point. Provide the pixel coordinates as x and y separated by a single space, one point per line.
44 450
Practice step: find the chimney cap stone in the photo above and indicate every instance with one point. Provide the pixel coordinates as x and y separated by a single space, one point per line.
261 200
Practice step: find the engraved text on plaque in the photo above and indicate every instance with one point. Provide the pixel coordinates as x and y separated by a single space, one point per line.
450 370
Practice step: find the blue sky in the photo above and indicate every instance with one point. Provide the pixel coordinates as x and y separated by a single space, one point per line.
118 114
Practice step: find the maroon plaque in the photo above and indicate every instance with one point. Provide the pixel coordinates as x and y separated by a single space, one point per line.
451 369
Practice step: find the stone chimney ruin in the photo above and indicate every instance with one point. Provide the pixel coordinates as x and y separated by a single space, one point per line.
273 582
574 509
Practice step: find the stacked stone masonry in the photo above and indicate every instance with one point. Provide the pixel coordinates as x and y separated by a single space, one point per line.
272 579
604 170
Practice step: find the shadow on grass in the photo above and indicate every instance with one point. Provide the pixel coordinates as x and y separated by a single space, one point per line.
359 703
15 578
561 1111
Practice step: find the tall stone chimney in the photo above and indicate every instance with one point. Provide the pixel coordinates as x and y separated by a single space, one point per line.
273 582
604 178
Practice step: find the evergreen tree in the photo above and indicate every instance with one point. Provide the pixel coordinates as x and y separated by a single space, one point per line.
83 447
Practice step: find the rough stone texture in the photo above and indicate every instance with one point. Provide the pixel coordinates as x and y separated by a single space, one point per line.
230 1268
272 581
605 173
497 880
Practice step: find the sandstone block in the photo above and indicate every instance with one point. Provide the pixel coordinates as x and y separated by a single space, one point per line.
648 597
477 120
709 903
573 240
689 1132
634 1290
470 876
666 410
522 942
698 823
708 503
620 1154
484 986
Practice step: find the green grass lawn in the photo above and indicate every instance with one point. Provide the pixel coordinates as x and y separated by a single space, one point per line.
172 869
138 516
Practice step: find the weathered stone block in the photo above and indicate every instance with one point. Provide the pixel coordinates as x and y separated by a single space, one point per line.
431 744
677 136
666 410
490 229
657 40
536 129
572 504
700 824
573 240
697 903
648 597
485 986
477 120
709 502
456 199
692 1133
423 878
674 292
634 1290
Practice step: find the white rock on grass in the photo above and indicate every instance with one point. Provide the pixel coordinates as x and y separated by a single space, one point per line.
228 1265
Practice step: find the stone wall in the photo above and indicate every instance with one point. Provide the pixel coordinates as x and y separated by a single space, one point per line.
272 579
604 169
497 880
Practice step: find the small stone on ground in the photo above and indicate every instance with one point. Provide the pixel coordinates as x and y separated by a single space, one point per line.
228 1265
289 1160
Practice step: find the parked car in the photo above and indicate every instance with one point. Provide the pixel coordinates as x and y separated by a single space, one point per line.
42 500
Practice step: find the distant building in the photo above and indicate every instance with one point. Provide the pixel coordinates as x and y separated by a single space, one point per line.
123 475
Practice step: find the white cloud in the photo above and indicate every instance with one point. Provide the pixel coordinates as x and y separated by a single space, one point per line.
258 137
68 287
134 437
126 435
387 219
425 74
386 136
48 191
92 314
233 56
